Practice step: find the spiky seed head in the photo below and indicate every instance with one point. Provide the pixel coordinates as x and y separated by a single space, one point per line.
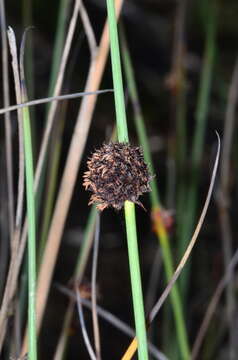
116 172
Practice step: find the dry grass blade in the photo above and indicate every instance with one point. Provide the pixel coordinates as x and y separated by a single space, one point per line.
7 122
16 75
70 174
89 31
212 306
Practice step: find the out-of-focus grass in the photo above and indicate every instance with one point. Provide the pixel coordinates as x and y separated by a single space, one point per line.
201 114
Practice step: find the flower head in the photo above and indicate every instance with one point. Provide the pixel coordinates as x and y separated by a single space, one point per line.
116 173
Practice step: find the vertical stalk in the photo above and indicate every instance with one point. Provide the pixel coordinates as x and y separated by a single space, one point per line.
31 235
129 207
122 131
136 279
31 214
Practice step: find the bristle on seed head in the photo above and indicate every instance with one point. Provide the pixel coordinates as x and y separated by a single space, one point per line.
116 173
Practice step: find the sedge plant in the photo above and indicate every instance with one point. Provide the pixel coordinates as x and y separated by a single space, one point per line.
128 206
31 235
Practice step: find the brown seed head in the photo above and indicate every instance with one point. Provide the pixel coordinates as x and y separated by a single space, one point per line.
116 173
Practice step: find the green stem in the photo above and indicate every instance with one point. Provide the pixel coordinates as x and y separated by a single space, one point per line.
31 235
122 131
135 278
129 207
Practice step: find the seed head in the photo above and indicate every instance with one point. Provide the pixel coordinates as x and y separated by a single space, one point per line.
116 173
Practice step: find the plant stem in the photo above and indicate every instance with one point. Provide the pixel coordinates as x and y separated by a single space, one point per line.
122 131
135 278
129 207
31 235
